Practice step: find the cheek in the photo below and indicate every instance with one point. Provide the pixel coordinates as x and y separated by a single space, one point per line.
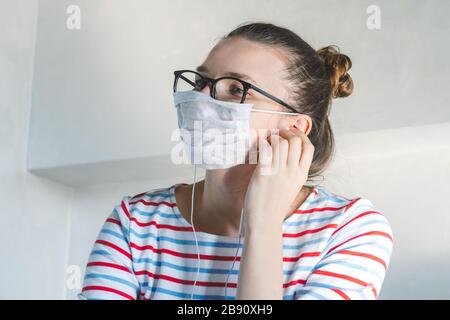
259 120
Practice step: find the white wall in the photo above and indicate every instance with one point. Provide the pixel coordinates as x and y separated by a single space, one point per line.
118 68
405 172
35 211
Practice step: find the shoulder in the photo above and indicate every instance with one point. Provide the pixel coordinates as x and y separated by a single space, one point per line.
159 194
142 208
358 220
153 199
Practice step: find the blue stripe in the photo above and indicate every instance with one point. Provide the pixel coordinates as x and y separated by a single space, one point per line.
116 215
197 296
155 212
350 265
115 234
374 244
187 295
299 268
323 198
218 244
181 268
304 292
306 243
150 195
207 270
187 242
310 221
101 252
112 278
329 286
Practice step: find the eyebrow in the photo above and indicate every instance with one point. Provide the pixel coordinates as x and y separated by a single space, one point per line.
232 74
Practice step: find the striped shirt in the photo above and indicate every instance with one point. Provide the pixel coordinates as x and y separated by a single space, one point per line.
333 248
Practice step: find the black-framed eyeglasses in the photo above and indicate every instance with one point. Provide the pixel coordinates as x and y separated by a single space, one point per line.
224 88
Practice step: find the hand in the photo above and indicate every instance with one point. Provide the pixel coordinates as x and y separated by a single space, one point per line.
282 170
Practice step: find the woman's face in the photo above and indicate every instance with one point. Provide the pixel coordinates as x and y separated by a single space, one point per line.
264 66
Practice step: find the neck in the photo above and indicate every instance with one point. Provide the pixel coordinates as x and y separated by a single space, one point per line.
221 197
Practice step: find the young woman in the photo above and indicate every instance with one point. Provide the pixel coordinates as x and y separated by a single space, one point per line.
300 240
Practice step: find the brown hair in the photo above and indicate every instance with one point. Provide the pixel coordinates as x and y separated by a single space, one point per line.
316 77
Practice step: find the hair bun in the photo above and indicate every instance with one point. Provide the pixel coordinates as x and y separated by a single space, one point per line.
337 65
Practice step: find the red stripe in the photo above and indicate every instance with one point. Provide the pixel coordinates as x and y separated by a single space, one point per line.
355 218
114 221
317 210
312 210
102 288
183 255
110 265
342 294
112 245
182 281
125 209
143 297
154 204
348 278
348 206
160 226
212 257
294 282
303 255
365 255
294 235
189 229
138 195
204 283
370 233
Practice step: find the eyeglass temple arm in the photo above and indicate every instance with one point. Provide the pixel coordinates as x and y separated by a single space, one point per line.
273 97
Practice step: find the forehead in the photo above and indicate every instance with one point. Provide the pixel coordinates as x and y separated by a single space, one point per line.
264 64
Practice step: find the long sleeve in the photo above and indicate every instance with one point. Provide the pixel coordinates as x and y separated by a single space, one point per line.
356 257
109 271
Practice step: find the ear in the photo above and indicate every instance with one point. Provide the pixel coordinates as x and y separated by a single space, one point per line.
303 123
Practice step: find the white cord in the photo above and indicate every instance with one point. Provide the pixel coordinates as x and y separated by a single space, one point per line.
241 233
193 228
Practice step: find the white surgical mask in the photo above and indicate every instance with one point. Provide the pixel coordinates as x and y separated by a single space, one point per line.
215 134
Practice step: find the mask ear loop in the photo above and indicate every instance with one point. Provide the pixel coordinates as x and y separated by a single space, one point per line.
275 112
241 234
193 228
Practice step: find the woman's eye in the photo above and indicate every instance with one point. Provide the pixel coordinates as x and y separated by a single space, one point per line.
236 90
199 84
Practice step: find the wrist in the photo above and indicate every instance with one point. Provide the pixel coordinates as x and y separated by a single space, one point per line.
265 229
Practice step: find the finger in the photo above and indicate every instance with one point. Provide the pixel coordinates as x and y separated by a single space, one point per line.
264 151
284 149
307 152
295 143
277 148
